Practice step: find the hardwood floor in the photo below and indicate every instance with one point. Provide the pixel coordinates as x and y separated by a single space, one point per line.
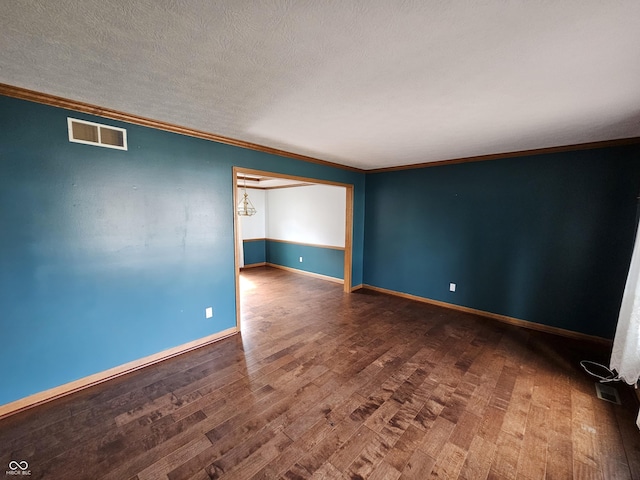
323 384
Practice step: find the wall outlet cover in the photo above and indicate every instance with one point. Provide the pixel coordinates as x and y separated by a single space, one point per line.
208 313
452 287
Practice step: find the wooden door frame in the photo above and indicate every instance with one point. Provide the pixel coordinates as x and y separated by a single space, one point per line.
348 231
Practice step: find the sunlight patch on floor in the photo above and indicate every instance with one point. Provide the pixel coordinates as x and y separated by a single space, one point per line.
246 285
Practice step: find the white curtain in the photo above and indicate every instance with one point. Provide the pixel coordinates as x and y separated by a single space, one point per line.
625 357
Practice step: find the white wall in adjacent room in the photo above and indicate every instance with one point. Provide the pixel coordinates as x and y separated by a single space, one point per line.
254 226
310 214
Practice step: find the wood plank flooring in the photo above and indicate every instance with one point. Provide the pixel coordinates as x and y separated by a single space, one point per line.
323 385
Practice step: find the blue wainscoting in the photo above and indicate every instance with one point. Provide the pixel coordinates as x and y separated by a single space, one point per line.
315 259
255 251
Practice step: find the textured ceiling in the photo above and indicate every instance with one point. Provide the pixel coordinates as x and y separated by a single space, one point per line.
365 83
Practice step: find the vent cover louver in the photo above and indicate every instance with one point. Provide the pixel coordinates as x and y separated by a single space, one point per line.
89 133
608 393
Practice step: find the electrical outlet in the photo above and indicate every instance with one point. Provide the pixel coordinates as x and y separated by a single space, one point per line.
208 312
300 259
452 287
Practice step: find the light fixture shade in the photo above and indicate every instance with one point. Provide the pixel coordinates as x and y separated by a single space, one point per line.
245 207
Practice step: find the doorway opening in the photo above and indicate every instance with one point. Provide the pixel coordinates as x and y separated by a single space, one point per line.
286 193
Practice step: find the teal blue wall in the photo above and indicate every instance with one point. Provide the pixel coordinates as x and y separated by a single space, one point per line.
109 256
322 260
546 238
255 251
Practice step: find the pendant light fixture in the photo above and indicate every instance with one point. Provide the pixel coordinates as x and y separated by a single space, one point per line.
245 207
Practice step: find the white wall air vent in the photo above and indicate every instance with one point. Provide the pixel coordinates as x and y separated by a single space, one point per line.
89 133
